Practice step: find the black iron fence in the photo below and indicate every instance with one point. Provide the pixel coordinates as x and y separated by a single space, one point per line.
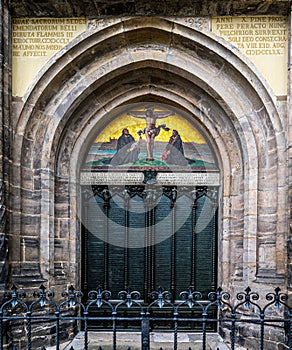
26 320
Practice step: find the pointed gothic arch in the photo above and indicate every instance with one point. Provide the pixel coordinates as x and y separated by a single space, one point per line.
130 60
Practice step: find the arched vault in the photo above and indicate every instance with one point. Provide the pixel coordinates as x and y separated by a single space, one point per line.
157 59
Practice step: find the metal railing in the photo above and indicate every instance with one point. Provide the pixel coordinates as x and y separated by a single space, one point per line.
23 318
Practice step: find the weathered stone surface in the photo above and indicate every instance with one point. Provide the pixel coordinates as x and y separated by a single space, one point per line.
6 137
141 8
126 60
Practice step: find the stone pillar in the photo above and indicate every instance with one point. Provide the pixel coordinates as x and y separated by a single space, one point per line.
5 99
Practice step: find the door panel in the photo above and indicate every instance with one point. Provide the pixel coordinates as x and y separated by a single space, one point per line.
139 240
183 245
132 239
205 245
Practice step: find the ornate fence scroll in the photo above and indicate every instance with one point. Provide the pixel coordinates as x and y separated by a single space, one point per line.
34 320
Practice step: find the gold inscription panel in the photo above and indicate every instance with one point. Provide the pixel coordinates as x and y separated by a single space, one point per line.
34 42
264 40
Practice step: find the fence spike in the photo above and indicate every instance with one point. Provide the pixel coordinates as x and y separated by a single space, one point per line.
99 348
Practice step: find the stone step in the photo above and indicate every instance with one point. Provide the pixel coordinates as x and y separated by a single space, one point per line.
158 340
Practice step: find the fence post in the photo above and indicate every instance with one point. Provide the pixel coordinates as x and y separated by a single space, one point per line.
204 314
85 330
290 330
175 330
232 334
57 314
1 330
28 330
262 330
114 313
145 332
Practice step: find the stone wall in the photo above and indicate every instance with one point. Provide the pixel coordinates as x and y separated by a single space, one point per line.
128 60
94 8
289 238
5 139
120 60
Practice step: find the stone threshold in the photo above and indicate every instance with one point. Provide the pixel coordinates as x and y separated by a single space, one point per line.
132 340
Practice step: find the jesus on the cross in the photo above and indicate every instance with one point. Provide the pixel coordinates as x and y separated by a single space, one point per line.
151 130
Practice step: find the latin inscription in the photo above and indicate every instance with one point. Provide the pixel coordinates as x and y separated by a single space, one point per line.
36 37
171 179
186 179
105 178
255 35
34 42
264 40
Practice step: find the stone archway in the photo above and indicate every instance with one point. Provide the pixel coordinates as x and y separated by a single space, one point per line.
131 60
140 231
